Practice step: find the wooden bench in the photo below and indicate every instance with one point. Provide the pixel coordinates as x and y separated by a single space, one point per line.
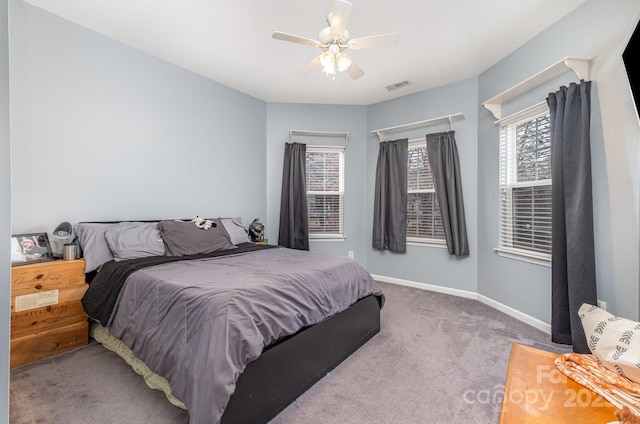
537 392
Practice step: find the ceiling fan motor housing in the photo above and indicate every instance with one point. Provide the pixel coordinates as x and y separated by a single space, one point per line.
326 37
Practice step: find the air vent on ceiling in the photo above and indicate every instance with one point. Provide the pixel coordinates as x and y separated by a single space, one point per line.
398 85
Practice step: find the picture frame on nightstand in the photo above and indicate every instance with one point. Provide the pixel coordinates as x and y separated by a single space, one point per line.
29 248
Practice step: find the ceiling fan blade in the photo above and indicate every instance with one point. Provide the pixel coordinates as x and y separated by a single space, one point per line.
354 71
295 39
304 71
383 40
339 17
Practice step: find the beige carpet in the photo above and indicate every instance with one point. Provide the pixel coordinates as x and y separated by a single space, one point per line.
437 359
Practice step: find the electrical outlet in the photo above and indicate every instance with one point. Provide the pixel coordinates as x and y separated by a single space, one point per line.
602 304
351 254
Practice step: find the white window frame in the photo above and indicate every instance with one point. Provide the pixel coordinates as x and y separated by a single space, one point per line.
329 236
508 176
437 242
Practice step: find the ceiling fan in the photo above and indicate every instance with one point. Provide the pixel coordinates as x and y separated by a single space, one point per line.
334 40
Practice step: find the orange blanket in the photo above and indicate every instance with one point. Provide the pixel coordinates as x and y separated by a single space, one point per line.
585 369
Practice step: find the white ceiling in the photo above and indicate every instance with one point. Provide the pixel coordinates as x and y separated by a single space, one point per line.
229 41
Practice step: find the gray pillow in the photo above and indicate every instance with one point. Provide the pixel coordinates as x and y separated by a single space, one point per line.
236 231
183 238
132 240
95 249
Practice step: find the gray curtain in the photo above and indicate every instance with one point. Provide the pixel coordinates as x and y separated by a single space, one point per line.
294 224
445 170
390 201
573 274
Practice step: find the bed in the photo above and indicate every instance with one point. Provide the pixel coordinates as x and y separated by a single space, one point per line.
238 330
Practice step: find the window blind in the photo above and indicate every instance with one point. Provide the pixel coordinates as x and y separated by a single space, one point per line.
525 183
423 216
325 192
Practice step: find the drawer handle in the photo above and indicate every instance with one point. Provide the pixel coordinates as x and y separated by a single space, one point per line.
39 276
38 286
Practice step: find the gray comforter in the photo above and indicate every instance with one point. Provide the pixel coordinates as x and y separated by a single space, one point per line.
199 323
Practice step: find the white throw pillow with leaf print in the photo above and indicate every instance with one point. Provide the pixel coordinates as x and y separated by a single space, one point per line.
614 341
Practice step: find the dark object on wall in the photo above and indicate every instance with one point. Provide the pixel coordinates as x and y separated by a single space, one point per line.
632 66
256 231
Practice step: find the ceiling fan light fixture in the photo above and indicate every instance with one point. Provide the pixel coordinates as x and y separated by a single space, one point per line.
327 59
344 61
330 70
328 62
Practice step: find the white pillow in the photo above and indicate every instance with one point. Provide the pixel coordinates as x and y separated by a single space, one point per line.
614 341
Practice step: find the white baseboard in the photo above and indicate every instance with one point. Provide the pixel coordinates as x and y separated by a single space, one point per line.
527 319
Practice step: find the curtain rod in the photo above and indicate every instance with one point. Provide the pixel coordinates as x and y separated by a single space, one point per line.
420 124
344 134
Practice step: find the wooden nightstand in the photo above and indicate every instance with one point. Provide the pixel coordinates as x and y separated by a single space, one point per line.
47 317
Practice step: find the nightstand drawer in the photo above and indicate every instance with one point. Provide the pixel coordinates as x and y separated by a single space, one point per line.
37 320
52 342
46 276
64 295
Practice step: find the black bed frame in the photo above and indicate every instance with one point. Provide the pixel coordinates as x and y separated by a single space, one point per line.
290 367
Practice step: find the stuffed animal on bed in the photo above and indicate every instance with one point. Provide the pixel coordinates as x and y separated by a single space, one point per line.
625 416
256 231
205 224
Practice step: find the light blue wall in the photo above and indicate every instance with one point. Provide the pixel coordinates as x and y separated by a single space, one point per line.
5 214
281 118
598 30
104 132
420 264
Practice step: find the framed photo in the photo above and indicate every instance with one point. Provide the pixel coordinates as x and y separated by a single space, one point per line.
30 248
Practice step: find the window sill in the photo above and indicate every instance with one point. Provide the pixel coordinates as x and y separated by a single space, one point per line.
522 255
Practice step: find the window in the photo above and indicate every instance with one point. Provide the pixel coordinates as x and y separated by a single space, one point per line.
325 192
525 184
424 223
